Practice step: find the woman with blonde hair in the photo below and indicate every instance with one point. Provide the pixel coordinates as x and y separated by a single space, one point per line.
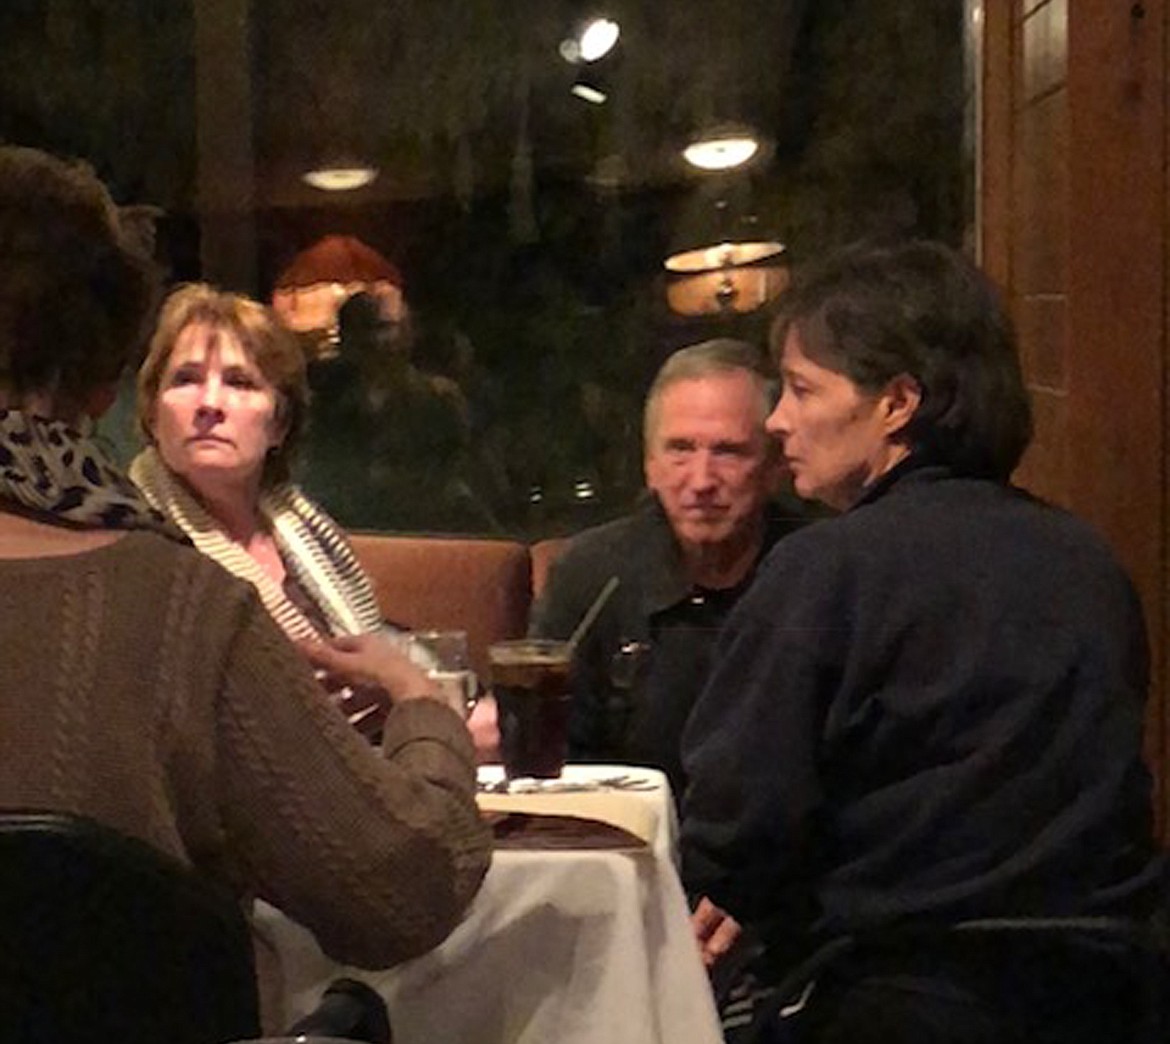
222 398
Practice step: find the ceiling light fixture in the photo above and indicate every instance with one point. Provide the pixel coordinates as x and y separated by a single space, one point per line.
339 179
595 41
320 279
723 262
722 150
599 39
588 92
723 255
726 277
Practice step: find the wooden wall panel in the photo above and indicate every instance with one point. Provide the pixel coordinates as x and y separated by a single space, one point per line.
1040 185
1117 280
1044 469
1075 200
1043 52
1038 142
996 134
1041 327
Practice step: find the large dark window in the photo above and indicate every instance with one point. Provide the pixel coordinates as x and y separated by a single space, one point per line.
521 230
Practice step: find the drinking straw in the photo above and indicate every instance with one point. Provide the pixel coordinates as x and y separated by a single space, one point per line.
591 613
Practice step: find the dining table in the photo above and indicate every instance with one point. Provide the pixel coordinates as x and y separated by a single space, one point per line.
580 933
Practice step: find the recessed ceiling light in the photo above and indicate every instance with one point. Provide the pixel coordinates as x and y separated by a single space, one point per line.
595 41
598 39
721 152
339 179
587 92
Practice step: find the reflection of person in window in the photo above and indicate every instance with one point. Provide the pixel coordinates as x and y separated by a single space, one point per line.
389 443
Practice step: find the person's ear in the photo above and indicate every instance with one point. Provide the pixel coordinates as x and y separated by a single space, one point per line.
281 422
900 400
650 470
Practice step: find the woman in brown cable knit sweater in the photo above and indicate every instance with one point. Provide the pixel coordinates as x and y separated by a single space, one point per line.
145 687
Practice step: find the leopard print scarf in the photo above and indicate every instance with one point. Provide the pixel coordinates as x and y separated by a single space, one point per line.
50 469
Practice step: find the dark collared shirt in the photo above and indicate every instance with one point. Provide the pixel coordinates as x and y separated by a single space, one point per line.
642 666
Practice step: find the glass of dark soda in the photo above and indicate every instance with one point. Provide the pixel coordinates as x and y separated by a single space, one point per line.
531 684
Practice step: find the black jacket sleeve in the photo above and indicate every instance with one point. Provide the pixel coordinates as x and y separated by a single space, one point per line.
751 748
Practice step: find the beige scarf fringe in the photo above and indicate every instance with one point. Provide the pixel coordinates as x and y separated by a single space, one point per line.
311 544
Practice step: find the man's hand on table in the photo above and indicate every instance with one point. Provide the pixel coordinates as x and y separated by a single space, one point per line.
485 731
715 931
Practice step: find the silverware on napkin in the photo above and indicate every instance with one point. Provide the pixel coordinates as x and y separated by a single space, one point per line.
566 786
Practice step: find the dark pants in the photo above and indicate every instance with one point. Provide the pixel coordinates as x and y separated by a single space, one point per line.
983 992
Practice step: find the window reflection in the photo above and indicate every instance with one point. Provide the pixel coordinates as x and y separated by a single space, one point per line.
528 227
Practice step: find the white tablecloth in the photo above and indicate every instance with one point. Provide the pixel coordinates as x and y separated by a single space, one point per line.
572 947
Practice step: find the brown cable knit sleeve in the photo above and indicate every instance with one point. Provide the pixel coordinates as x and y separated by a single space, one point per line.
379 857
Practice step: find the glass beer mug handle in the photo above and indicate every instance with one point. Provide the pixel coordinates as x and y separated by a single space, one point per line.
456 688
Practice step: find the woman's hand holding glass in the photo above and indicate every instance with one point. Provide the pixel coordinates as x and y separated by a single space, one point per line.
443 655
370 672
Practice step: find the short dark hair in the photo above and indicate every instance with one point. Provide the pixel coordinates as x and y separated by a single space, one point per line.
273 349
924 310
76 293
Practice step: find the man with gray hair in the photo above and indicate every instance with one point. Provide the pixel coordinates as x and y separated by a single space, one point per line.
682 558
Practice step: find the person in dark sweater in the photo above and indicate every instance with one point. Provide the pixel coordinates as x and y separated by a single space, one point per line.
930 708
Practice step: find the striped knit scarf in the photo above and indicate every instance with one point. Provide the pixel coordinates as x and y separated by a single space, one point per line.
312 545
